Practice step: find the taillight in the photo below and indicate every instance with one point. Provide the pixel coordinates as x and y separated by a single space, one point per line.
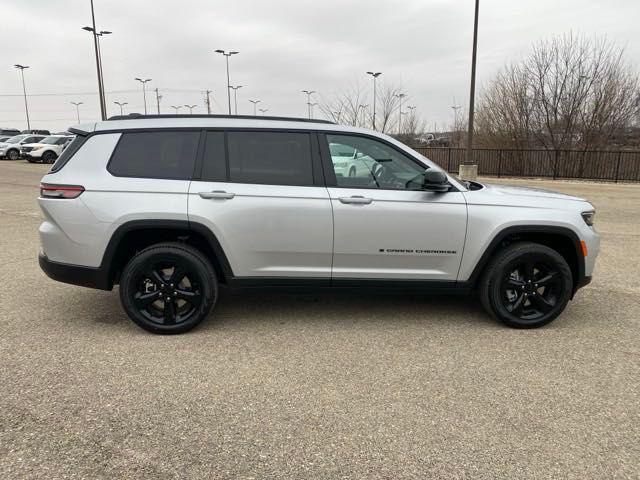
60 191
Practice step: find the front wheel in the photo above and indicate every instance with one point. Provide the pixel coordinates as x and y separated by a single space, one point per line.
527 285
168 288
13 154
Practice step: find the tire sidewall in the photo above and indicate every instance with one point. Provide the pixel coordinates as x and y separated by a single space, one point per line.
196 263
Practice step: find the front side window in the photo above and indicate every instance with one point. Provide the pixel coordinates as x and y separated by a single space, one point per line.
361 162
274 158
161 154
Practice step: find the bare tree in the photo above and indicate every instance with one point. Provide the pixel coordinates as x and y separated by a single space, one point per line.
570 92
346 107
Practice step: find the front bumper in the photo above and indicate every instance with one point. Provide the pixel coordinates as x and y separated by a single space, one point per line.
90 277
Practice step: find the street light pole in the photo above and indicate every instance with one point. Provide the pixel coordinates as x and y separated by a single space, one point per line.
309 93
144 91
176 108
400 97
24 91
235 96
255 104
470 171
77 104
263 111
228 54
121 104
190 107
311 105
375 75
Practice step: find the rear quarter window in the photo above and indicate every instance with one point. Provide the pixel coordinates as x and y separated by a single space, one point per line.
163 154
67 153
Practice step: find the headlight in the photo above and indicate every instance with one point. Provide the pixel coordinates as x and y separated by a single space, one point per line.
36 148
589 217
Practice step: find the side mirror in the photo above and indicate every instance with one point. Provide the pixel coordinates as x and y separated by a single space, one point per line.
435 181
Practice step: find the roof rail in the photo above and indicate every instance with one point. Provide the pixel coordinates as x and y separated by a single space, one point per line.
139 116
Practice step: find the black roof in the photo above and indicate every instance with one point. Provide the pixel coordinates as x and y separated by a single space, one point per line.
136 116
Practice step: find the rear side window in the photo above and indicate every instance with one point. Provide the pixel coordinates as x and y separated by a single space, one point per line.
275 158
68 152
161 154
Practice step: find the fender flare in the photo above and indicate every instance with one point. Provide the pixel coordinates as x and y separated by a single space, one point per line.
528 229
106 265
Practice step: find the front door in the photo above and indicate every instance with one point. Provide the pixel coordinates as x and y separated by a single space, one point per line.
385 225
261 194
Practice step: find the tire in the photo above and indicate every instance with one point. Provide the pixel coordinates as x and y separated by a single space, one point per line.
191 292
13 154
49 157
526 285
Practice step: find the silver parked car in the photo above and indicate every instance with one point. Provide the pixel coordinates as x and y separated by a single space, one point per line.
170 207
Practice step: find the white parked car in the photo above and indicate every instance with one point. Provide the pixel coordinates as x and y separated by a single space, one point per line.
11 148
46 150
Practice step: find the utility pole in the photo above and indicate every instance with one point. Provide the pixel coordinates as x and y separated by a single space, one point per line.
103 107
255 104
375 76
208 101
77 104
469 171
24 91
228 54
309 93
158 98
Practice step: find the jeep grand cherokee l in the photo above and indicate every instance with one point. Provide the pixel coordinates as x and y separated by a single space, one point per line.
170 207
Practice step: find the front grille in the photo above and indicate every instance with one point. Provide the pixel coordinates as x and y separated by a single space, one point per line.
27 149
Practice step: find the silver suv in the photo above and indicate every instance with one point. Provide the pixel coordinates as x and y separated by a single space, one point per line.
171 207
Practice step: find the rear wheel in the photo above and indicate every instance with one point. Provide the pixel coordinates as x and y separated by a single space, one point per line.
49 157
527 285
168 288
13 154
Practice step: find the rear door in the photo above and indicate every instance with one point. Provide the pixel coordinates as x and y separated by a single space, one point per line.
385 225
261 193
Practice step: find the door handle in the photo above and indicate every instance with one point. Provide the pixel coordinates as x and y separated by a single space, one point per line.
356 199
216 194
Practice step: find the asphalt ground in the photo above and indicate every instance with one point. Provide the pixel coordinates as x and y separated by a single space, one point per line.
326 385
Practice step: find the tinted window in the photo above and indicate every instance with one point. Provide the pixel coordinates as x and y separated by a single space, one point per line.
360 162
155 155
276 158
214 164
68 152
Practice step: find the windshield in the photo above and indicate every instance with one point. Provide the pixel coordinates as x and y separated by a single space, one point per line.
50 140
17 138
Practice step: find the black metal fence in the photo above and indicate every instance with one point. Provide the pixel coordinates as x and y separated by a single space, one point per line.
568 164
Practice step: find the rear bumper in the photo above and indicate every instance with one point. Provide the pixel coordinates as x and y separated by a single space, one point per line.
90 277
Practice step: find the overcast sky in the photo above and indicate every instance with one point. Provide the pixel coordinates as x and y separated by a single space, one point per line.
285 46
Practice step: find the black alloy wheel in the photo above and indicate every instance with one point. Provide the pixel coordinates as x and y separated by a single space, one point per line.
527 285
168 288
48 157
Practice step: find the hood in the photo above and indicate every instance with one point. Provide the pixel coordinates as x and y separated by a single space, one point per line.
529 192
32 144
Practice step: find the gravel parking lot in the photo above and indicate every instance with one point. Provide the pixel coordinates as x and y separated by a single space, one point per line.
328 385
